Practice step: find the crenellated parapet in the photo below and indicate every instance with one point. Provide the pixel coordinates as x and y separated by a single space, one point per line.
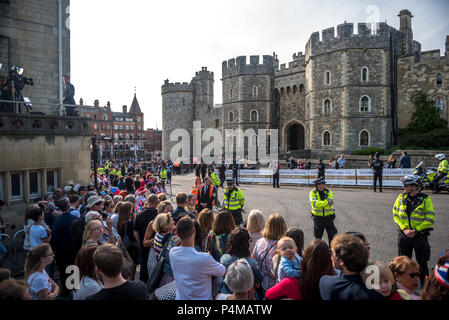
239 66
169 87
346 39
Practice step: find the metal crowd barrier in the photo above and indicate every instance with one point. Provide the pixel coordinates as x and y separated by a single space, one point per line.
17 268
10 246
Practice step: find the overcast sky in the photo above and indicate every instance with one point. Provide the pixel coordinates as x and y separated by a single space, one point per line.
118 45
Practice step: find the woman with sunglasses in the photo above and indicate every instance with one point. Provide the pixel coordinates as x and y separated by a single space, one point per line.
406 274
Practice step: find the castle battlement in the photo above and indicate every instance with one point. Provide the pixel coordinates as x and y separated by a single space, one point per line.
176 87
203 75
296 65
238 66
346 38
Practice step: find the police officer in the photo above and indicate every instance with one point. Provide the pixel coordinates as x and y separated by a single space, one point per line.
443 168
163 175
414 215
234 201
214 177
320 168
322 202
377 165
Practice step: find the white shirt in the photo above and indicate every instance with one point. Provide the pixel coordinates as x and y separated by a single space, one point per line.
193 273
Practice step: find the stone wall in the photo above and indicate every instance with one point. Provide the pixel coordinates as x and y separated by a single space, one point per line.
30 29
41 144
417 74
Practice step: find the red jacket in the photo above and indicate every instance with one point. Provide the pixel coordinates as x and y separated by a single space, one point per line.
287 288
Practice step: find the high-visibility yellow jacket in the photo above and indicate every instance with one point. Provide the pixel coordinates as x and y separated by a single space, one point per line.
444 166
163 174
215 179
423 217
234 200
100 170
113 172
321 207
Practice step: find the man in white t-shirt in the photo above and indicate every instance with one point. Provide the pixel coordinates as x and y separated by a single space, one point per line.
192 270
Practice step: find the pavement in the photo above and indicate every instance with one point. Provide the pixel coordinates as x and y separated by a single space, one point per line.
356 209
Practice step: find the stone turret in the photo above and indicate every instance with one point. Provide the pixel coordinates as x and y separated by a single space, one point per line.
407 32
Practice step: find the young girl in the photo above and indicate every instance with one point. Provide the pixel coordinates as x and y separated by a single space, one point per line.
288 259
42 287
93 232
386 285
38 233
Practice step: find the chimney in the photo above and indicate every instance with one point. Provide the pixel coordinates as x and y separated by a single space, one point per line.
81 101
447 45
124 109
96 103
108 105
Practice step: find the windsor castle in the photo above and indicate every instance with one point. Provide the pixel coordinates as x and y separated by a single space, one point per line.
347 91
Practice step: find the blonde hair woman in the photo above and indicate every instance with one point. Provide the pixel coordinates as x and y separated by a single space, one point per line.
92 232
255 225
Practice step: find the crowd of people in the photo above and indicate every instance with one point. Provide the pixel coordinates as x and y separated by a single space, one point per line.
129 240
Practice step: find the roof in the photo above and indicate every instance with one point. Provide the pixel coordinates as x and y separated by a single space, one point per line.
135 108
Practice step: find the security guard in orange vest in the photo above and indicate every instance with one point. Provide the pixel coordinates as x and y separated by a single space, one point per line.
322 202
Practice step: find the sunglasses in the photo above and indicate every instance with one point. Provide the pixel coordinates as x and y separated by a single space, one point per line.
413 275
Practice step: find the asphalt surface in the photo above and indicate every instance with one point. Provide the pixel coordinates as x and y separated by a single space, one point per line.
356 209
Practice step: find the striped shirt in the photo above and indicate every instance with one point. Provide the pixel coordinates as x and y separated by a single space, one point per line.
159 241
263 253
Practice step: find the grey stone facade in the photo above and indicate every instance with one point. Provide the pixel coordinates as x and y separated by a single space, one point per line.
29 38
339 96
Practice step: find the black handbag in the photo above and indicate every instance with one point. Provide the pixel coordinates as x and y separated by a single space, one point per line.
155 276
131 246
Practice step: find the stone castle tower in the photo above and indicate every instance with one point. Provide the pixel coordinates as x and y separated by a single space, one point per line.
339 96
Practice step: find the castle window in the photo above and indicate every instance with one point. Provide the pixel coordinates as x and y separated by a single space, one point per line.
254 116
16 186
364 138
230 93
217 123
327 77
35 184
288 91
439 103
365 104
255 91
105 117
365 74
327 105
326 138
231 117
439 79
294 89
52 181
301 88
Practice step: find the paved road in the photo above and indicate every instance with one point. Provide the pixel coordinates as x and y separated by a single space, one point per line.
356 209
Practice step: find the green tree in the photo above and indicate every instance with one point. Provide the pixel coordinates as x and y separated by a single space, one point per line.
426 117
426 129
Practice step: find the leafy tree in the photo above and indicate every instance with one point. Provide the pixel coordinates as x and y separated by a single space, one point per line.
426 116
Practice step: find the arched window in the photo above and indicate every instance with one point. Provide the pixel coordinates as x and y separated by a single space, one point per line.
231 116
327 77
365 74
255 91
326 138
439 79
365 104
364 138
327 106
288 91
254 116
301 88
294 89
217 123
282 91
230 93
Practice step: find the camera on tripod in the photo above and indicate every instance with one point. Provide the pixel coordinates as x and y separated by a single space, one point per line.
15 83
